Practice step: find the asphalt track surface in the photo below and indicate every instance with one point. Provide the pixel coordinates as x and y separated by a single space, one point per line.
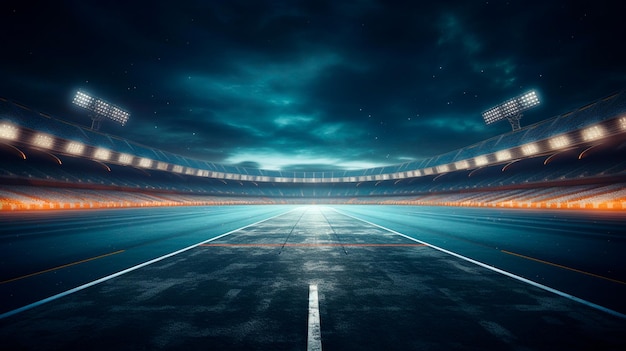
313 277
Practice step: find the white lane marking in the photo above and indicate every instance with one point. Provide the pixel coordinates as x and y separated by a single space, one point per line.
314 338
114 275
497 270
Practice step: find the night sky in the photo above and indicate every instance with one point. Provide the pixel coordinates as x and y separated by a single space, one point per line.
310 85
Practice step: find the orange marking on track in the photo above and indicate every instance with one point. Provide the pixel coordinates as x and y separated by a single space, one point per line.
310 245
564 267
60 267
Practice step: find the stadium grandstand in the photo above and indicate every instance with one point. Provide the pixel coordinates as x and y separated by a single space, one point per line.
570 161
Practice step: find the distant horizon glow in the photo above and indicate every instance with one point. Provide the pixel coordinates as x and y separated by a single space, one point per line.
284 161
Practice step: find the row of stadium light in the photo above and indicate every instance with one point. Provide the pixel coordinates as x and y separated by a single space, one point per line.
10 132
101 107
511 107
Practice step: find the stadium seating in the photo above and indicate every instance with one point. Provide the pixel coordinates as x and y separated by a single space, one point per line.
556 180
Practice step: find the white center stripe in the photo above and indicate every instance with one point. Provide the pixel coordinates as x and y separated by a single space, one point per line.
314 339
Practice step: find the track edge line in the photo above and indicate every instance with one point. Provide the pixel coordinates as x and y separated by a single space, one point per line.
127 270
497 270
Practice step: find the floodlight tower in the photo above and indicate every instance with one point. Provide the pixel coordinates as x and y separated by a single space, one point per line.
512 109
99 110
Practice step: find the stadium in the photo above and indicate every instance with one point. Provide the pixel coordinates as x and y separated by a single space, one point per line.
512 242
569 161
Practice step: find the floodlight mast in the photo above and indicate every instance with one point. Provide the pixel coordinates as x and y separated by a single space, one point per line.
95 121
514 121
512 109
100 109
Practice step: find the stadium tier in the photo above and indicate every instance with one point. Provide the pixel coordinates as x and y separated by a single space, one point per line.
574 160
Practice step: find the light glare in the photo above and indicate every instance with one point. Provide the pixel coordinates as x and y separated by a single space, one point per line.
43 140
145 163
503 155
102 154
593 133
559 142
461 164
530 149
443 168
481 160
125 159
83 100
511 107
75 148
101 108
8 131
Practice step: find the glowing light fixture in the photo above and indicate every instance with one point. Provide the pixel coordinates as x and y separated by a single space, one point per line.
559 142
8 131
503 155
100 109
593 133
102 154
481 160
461 164
162 166
622 123
177 169
443 168
75 148
125 159
512 109
43 140
145 163
530 149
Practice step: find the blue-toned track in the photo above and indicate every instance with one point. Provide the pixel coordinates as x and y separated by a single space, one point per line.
242 277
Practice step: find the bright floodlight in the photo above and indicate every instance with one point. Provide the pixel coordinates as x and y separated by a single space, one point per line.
530 149
75 148
43 140
100 109
511 109
461 164
8 131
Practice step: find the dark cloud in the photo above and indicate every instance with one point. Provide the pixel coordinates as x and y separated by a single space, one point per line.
314 85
